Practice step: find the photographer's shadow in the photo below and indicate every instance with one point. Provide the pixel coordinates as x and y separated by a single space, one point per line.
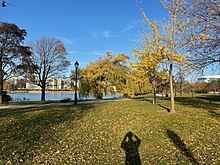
130 145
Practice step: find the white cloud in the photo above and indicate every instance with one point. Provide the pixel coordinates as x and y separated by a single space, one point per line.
92 53
68 41
103 34
97 53
131 26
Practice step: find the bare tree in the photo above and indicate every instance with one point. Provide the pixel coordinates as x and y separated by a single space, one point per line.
203 17
48 60
11 51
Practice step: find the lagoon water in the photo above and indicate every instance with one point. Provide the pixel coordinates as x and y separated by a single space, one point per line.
50 96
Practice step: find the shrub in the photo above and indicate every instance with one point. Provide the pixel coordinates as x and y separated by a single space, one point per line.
6 97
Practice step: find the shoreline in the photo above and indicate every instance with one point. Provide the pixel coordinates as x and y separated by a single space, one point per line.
58 92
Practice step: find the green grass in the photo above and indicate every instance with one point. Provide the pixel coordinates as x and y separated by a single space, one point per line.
92 134
32 102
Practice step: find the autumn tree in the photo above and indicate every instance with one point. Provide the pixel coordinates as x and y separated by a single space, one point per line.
47 61
117 70
174 32
150 54
214 86
200 87
136 82
104 75
165 46
12 52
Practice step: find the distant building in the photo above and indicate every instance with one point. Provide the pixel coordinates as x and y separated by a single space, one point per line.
55 84
30 86
14 80
208 79
17 83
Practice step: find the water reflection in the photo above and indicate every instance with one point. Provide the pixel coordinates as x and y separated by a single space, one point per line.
51 96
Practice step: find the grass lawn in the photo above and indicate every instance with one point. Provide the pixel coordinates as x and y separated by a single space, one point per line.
31 102
92 133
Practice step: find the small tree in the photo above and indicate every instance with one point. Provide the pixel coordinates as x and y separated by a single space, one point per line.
151 54
214 86
12 52
200 87
47 61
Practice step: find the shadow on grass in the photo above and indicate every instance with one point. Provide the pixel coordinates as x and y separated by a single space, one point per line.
13 112
24 131
215 97
130 145
149 100
181 146
201 102
168 110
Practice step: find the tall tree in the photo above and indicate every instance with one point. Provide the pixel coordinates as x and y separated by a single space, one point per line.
104 75
174 33
12 52
47 61
151 54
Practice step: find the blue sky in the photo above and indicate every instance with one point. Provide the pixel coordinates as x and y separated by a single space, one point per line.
88 28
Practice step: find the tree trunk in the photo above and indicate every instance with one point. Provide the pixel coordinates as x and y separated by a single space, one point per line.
175 91
1 83
172 110
181 88
43 92
1 90
99 96
154 92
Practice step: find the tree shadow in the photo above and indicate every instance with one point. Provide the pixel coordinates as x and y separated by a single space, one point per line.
146 99
130 145
26 130
11 112
201 102
215 97
181 146
151 101
168 110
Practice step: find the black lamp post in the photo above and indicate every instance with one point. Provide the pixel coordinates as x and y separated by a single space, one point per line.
76 64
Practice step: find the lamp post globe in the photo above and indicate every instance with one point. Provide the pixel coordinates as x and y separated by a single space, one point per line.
76 64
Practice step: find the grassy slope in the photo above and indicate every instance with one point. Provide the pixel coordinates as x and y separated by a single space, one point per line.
92 134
